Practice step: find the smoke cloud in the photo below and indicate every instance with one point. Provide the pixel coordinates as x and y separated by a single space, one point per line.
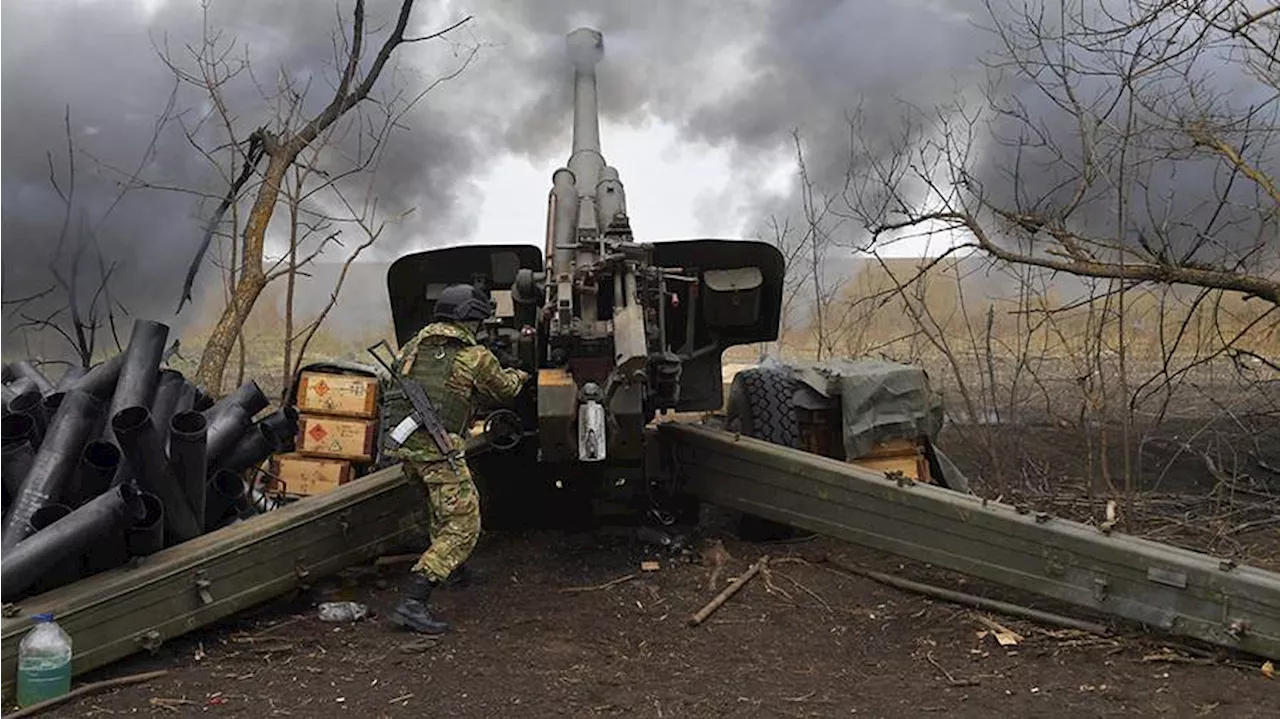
738 75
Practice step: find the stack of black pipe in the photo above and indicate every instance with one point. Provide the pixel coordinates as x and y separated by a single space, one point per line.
122 460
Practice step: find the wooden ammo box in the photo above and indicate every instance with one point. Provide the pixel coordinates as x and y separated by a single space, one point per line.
337 437
305 476
898 455
345 395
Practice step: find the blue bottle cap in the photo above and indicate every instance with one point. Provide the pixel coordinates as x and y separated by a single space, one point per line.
46 617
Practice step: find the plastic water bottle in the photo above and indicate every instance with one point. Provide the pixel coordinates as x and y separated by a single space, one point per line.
343 611
44 662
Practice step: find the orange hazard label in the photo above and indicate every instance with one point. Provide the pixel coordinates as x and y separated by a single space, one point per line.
322 388
318 432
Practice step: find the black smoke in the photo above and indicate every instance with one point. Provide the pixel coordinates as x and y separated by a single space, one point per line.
740 76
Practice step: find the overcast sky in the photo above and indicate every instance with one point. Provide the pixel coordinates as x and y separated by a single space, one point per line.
698 99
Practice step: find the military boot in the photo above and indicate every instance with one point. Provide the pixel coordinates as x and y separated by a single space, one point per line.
413 612
462 577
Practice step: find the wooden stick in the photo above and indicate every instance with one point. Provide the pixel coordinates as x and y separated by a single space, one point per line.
597 587
728 592
89 689
972 600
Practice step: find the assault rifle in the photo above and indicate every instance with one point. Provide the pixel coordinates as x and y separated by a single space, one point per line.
424 415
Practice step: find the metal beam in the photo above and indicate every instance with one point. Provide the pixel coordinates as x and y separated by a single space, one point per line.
114 614
1175 590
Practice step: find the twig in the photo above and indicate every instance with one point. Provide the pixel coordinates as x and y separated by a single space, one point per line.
274 627
598 587
1255 524
971 600
806 590
169 704
89 689
402 697
770 587
950 679
728 592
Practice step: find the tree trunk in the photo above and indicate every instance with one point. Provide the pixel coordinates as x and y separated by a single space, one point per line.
252 280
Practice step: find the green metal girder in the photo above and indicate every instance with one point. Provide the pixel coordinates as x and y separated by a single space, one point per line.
138 606
1175 590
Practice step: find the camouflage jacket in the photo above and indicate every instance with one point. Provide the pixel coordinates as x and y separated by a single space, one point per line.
475 373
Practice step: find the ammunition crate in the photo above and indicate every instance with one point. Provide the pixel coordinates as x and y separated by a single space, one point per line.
305 476
336 437
344 395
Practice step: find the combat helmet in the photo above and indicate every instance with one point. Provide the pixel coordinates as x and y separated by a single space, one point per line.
463 303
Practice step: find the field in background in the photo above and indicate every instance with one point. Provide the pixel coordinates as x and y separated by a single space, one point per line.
1064 403
1054 387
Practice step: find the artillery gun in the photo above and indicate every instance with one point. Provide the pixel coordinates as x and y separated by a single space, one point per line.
614 329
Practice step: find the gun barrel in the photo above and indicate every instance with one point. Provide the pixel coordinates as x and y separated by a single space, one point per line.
586 47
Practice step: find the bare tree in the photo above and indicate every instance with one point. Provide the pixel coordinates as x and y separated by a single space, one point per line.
79 294
260 161
1134 141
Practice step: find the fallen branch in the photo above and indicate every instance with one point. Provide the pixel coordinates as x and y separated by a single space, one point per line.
598 587
733 588
950 679
972 600
93 688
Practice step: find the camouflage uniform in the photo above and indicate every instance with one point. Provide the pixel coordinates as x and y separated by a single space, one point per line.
446 359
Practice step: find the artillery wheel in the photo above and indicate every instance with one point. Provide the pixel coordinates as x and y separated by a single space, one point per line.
762 406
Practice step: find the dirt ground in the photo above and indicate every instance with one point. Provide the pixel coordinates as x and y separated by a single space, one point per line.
805 641
551 633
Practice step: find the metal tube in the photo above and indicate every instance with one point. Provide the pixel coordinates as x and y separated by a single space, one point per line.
586 47
19 387
254 446
69 377
17 452
31 403
15 463
168 388
224 490
565 221
611 198
136 386
202 400
188 396
248 396
283 424
141 446
100 381
146 535
189 459
224 429
103 517
54 463
52 401
98 464
66 571
23 368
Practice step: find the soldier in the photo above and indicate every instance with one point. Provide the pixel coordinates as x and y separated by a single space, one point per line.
453 368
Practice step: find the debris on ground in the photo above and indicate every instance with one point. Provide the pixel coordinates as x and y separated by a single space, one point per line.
734 587
342 611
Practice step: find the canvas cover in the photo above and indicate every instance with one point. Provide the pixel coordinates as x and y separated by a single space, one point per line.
880 400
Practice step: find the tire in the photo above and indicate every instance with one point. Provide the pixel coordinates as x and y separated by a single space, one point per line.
762 402
762 406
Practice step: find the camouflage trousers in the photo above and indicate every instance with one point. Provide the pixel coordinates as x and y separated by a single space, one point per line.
454 517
